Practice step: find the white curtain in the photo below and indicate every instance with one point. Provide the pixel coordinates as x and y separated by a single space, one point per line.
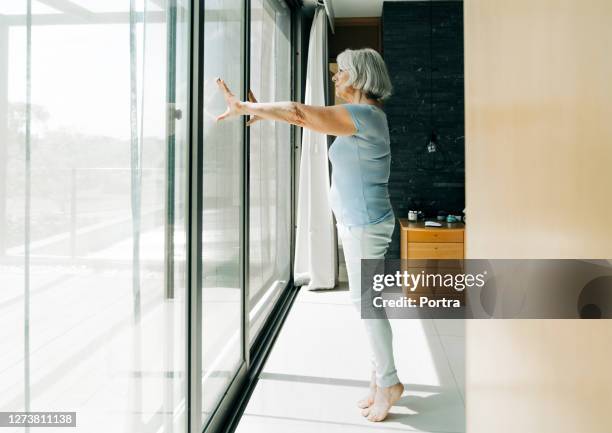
315 254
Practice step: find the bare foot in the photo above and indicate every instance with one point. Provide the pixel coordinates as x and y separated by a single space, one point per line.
384 399
368 400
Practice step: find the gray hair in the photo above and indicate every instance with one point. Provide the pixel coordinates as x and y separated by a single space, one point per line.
367 72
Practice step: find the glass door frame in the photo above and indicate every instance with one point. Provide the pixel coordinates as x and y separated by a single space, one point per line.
244 375
195 202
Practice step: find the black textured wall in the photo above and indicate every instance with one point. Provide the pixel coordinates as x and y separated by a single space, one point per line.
423 49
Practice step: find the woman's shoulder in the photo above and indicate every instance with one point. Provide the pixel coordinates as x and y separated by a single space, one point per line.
364 108
367 118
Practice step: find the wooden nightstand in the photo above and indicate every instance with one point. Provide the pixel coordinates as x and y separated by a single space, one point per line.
422 247
420 242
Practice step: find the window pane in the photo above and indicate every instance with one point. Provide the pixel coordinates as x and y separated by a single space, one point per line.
222 203
12 213
89 320
270 161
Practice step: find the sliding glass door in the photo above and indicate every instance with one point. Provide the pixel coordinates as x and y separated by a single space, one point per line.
222 203
93 143
105 158
270 162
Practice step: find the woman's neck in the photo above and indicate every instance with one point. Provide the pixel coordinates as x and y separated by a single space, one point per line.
361 98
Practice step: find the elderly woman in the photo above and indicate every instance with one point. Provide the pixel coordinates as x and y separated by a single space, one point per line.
359 197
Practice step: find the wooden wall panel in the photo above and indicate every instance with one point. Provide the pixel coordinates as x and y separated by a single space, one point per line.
538 184
539 128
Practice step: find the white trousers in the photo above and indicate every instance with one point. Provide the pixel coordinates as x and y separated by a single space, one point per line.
370 242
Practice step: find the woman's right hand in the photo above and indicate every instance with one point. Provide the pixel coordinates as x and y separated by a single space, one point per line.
335 120
233 104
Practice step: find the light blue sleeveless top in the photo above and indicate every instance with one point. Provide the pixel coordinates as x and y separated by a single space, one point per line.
361 164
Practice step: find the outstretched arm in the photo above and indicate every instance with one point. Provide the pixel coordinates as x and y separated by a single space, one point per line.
334 120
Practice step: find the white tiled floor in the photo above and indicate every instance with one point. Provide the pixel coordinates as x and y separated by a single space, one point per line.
319 368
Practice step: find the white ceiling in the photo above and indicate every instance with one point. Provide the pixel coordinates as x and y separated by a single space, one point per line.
357 8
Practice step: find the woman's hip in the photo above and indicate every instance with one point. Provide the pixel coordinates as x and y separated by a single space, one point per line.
367 241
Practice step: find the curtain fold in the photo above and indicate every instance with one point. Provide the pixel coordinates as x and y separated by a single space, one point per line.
315 254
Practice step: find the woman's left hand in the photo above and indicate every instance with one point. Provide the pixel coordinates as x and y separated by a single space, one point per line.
252 119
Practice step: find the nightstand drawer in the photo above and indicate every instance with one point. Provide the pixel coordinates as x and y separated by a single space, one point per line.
433 250
434 235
